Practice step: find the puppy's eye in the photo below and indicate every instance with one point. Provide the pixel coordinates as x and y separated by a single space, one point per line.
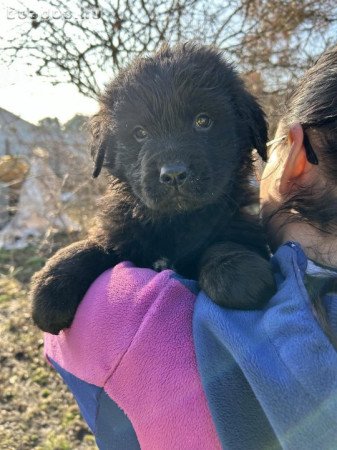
202 122
140 134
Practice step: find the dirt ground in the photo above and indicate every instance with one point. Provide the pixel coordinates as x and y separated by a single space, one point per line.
36 410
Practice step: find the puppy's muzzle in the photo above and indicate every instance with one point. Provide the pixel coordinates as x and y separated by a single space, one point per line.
174 174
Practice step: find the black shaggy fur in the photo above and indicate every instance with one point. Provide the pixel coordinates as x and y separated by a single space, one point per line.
178 185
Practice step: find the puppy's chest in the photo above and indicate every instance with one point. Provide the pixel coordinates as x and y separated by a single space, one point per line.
177 251
173 242
180 246
176 243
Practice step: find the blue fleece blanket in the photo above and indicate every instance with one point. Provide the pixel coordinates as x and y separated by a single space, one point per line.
270 376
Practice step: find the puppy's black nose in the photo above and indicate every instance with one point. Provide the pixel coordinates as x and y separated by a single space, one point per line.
173 174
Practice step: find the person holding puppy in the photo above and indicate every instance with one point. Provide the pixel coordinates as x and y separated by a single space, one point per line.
271 376
155 364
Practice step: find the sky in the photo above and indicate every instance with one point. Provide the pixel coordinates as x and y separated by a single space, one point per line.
33 98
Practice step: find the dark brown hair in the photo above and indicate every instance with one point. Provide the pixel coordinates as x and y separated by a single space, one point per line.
313 104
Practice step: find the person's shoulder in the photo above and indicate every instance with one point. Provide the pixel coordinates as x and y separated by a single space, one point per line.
274 359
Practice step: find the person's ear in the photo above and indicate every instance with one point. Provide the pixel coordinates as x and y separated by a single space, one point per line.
296 163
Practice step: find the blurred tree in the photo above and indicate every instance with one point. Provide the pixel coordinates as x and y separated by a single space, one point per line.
85 42
50 123
288 35
75 124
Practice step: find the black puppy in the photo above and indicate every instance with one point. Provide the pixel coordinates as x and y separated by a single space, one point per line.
175 132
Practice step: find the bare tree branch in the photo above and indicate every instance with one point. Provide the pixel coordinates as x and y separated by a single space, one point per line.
88 41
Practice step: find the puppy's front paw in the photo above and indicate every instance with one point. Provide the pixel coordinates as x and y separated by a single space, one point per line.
55 301
238 278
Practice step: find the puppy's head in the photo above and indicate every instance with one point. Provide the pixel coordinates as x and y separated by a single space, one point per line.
176 126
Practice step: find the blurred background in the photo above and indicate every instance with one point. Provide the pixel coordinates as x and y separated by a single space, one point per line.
55 58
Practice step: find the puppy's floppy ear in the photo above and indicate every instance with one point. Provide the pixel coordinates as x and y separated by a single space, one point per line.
101 140
98 152
255 119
